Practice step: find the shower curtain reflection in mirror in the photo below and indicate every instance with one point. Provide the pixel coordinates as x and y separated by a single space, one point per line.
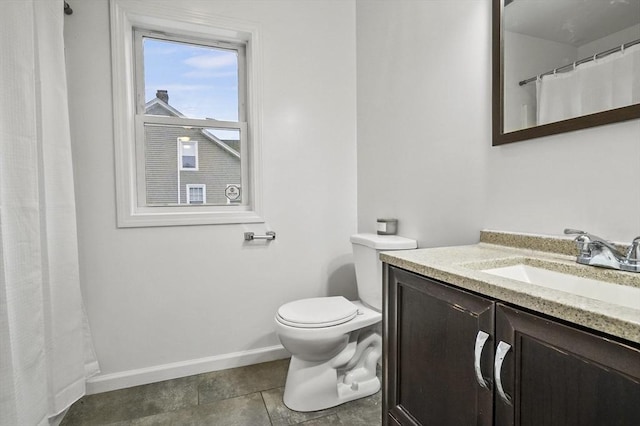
605 83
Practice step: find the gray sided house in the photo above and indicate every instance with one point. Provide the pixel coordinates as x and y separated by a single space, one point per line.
189 161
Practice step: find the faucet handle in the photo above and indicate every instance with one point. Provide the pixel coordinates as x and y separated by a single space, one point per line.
570 231
585 237
586 241
582 236
582 242
633 252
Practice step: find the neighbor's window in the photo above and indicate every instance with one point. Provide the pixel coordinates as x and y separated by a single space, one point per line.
182 138
196 194
188 154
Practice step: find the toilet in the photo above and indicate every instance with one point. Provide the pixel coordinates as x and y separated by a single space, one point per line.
335 343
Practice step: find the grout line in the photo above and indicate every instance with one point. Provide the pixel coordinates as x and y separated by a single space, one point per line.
264 403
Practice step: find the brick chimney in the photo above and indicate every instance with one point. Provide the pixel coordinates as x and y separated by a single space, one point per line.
163 95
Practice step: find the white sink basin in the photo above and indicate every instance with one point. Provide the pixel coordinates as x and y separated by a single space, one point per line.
621 295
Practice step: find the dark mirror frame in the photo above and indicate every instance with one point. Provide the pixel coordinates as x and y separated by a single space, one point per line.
499 136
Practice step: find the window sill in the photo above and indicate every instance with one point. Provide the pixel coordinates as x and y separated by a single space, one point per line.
168 216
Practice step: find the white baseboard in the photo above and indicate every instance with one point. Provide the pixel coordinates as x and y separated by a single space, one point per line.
158 373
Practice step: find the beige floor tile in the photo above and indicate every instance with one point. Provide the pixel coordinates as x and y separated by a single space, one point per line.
130 403
246 396
247 410
281 415
330 420
219 385
362 412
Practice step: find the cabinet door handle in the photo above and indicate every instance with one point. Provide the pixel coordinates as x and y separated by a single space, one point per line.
501 352
481 339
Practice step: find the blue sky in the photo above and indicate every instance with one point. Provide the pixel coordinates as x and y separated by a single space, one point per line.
202 81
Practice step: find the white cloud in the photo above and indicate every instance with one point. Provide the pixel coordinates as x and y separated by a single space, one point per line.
185 87
202 73
211 62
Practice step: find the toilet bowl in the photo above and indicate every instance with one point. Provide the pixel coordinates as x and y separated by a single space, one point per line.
335 344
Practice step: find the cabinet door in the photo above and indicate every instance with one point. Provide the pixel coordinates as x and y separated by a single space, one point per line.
557 375
430 336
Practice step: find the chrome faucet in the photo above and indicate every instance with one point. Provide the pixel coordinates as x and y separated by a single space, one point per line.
633 255
596 251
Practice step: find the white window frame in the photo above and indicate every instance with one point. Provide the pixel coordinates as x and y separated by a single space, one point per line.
181 167
168 18
204 192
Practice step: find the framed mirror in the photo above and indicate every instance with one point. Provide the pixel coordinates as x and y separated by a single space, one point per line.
563 65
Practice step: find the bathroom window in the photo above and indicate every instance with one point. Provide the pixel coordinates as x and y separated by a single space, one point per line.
178 80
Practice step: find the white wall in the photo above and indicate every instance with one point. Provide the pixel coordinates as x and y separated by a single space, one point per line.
157 296
424 117
424 144
587 179
610 41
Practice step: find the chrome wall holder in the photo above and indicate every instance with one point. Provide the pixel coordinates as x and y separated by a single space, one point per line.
250 236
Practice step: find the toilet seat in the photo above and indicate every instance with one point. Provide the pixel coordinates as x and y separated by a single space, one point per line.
317 312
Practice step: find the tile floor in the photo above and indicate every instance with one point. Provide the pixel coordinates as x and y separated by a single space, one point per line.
245 396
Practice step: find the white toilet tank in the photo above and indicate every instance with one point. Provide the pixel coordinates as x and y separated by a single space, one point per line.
366 248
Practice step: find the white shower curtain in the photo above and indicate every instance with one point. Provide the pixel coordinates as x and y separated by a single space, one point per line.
45 353
603 84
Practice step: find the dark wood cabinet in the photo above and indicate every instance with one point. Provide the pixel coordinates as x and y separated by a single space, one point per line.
531 371
558 375
431 333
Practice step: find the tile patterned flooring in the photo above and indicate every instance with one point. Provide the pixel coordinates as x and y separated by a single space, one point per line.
245 396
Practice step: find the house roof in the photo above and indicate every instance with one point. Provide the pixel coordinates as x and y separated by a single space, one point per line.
158 105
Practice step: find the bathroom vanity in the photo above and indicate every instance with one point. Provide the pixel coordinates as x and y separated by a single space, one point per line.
464 345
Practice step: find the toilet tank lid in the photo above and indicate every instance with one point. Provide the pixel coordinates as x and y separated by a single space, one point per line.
384 242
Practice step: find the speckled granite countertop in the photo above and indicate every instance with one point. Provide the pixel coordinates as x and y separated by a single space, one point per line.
462 266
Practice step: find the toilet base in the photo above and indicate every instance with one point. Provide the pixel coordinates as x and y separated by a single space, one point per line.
314 386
